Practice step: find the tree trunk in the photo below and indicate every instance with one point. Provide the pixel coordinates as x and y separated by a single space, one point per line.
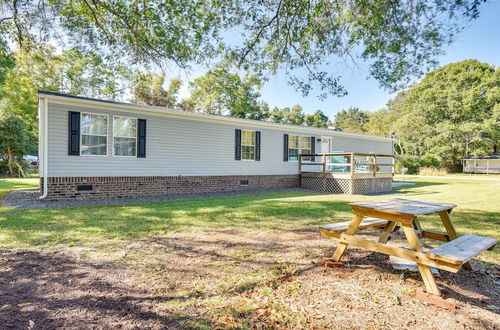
9 162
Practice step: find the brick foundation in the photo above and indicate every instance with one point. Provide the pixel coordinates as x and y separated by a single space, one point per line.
71 188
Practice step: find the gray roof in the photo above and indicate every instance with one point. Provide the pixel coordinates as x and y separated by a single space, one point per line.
492 155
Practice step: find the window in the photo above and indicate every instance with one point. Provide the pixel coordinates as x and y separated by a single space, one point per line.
300 145
124 136
305 147
247 145
293 147
94 134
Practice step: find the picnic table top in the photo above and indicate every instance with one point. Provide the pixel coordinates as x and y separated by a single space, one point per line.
404 206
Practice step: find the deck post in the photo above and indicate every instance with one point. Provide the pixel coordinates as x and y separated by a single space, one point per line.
374 165
352 165
324 165
393 167
300 164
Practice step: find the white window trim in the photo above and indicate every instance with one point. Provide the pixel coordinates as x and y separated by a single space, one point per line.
254 145
128 137
298 148
107 133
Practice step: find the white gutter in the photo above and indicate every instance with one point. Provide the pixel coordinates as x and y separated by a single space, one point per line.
44 102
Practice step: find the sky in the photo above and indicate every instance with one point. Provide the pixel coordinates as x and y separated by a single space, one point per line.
480 40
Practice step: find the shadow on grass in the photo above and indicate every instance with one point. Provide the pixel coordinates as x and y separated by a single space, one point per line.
413 190
263 211
277 211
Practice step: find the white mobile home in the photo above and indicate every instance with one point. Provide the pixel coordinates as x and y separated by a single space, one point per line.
486 164
92 148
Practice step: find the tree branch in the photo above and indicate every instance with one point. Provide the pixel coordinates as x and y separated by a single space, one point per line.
261 30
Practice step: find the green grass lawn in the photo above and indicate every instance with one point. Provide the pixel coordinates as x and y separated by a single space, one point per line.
478 212
10 184
245 260
452 175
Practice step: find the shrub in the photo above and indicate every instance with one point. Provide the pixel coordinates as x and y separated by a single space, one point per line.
16 140
433 171
16 168
414 163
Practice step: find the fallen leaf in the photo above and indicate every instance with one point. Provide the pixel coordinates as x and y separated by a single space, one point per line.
24 304
31 324
4 306
493 307
409 291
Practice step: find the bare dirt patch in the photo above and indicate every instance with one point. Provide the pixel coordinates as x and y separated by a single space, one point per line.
230 278
47 291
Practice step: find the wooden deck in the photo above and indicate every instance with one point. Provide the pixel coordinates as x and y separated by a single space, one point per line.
346 173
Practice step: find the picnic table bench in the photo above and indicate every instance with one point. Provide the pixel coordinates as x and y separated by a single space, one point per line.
395 213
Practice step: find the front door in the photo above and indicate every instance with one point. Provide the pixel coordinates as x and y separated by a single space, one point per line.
326 145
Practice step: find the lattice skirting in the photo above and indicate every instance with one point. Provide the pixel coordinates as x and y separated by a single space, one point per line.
347 186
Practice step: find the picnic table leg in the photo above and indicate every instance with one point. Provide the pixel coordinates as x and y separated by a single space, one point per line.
353 226
452 233
417 226
425 271
387 231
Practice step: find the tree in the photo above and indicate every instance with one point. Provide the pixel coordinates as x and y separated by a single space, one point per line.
287 115
16 140
69 72
148 90
221 92
452 112
398 39
318 119
352 120
6 61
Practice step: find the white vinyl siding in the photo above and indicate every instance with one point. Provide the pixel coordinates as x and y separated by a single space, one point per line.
181 146
93 134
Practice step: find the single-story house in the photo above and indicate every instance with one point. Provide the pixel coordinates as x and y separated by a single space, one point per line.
93 149
488 163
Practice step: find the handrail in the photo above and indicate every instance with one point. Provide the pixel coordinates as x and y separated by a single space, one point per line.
372 166
346 154
345 164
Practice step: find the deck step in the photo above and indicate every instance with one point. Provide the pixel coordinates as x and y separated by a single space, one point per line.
365 223
462 249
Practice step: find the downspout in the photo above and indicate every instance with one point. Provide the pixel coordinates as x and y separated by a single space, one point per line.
44 112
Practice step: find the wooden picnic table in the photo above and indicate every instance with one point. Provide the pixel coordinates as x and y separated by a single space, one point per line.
397 213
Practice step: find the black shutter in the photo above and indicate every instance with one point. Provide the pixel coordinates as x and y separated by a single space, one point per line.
257 145
285 147
141 138
74 134
237 144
